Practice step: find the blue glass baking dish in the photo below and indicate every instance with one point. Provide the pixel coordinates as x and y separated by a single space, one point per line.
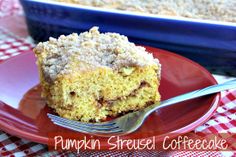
210 43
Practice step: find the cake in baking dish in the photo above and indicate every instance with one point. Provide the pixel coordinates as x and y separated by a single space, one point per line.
91 76
218 10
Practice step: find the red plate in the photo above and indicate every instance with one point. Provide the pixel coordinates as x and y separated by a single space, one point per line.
27 117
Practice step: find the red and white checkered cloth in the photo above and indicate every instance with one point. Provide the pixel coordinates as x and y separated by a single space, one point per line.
9 8
223 121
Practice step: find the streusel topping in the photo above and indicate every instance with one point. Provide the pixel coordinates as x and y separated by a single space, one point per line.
92 48
219 10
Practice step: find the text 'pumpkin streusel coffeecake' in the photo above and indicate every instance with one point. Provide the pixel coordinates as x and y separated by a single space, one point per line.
91 76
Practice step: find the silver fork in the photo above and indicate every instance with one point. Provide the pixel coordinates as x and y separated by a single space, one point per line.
132 121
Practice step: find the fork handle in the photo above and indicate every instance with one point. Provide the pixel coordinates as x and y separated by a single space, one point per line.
191 95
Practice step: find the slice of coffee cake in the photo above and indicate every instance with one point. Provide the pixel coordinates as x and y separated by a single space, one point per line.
93 75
